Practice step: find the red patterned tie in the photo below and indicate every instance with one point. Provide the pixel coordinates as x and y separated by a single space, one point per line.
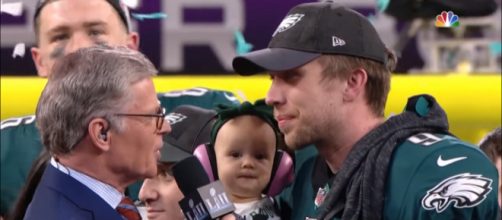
127 209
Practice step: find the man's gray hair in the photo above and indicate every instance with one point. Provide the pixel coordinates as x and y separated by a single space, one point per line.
90 83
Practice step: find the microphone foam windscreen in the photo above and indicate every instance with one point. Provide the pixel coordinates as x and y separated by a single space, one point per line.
189 175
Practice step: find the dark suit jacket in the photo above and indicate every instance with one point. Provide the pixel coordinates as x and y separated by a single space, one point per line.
61 197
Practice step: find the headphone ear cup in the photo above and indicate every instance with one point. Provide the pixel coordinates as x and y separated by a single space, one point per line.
202 153
283 173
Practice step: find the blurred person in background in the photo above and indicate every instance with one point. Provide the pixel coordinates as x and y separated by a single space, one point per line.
161 195
492 146
62 27
191 127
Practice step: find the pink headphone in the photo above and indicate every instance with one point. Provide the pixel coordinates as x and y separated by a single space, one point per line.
282 168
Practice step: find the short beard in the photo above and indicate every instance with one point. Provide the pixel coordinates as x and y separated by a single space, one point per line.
303 136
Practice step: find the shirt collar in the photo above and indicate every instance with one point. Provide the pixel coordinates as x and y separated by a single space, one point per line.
107 192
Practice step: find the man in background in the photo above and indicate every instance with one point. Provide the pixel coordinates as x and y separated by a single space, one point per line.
191 126
492 146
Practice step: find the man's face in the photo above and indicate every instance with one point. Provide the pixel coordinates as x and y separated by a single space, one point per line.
161 196
245 148
306 108
68 25
135 149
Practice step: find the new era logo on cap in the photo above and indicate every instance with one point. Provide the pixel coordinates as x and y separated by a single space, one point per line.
337 41
288 22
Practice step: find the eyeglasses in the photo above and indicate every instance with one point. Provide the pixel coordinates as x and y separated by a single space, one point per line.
160 115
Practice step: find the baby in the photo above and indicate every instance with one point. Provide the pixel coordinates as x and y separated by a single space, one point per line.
245 141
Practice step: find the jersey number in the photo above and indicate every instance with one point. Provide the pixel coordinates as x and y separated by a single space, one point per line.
11 122
186 92
425 139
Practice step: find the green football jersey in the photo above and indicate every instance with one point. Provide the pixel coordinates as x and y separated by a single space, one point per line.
430 177
435 176
201 97
21 145
297 200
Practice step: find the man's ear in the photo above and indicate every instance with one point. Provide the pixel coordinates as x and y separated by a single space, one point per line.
133 40
98 130
42 68
356 82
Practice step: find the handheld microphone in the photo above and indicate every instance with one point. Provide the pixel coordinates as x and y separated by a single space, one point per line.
203 200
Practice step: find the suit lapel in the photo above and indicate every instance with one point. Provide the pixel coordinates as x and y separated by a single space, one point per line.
79 194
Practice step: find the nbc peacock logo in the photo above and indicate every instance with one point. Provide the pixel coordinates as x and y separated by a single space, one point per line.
447 19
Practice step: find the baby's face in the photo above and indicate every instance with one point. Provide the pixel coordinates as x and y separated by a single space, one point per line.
245 150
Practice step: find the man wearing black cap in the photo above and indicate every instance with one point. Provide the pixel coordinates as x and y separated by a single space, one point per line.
330 80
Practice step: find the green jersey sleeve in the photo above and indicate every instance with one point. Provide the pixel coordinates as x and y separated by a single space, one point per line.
201 97
440 177
296 202
20 146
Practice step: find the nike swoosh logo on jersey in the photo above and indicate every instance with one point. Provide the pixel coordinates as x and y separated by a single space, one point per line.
443 163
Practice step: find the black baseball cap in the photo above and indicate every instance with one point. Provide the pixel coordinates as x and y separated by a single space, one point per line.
190 127
118 5
310 30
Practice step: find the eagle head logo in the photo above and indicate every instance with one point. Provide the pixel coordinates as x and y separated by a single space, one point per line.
175 117
288 22
464 190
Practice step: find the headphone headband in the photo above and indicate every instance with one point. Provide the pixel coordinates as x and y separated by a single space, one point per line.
259 109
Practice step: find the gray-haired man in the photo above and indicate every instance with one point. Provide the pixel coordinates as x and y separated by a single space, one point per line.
100 118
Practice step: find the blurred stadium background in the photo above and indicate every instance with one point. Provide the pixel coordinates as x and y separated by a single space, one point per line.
195 44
